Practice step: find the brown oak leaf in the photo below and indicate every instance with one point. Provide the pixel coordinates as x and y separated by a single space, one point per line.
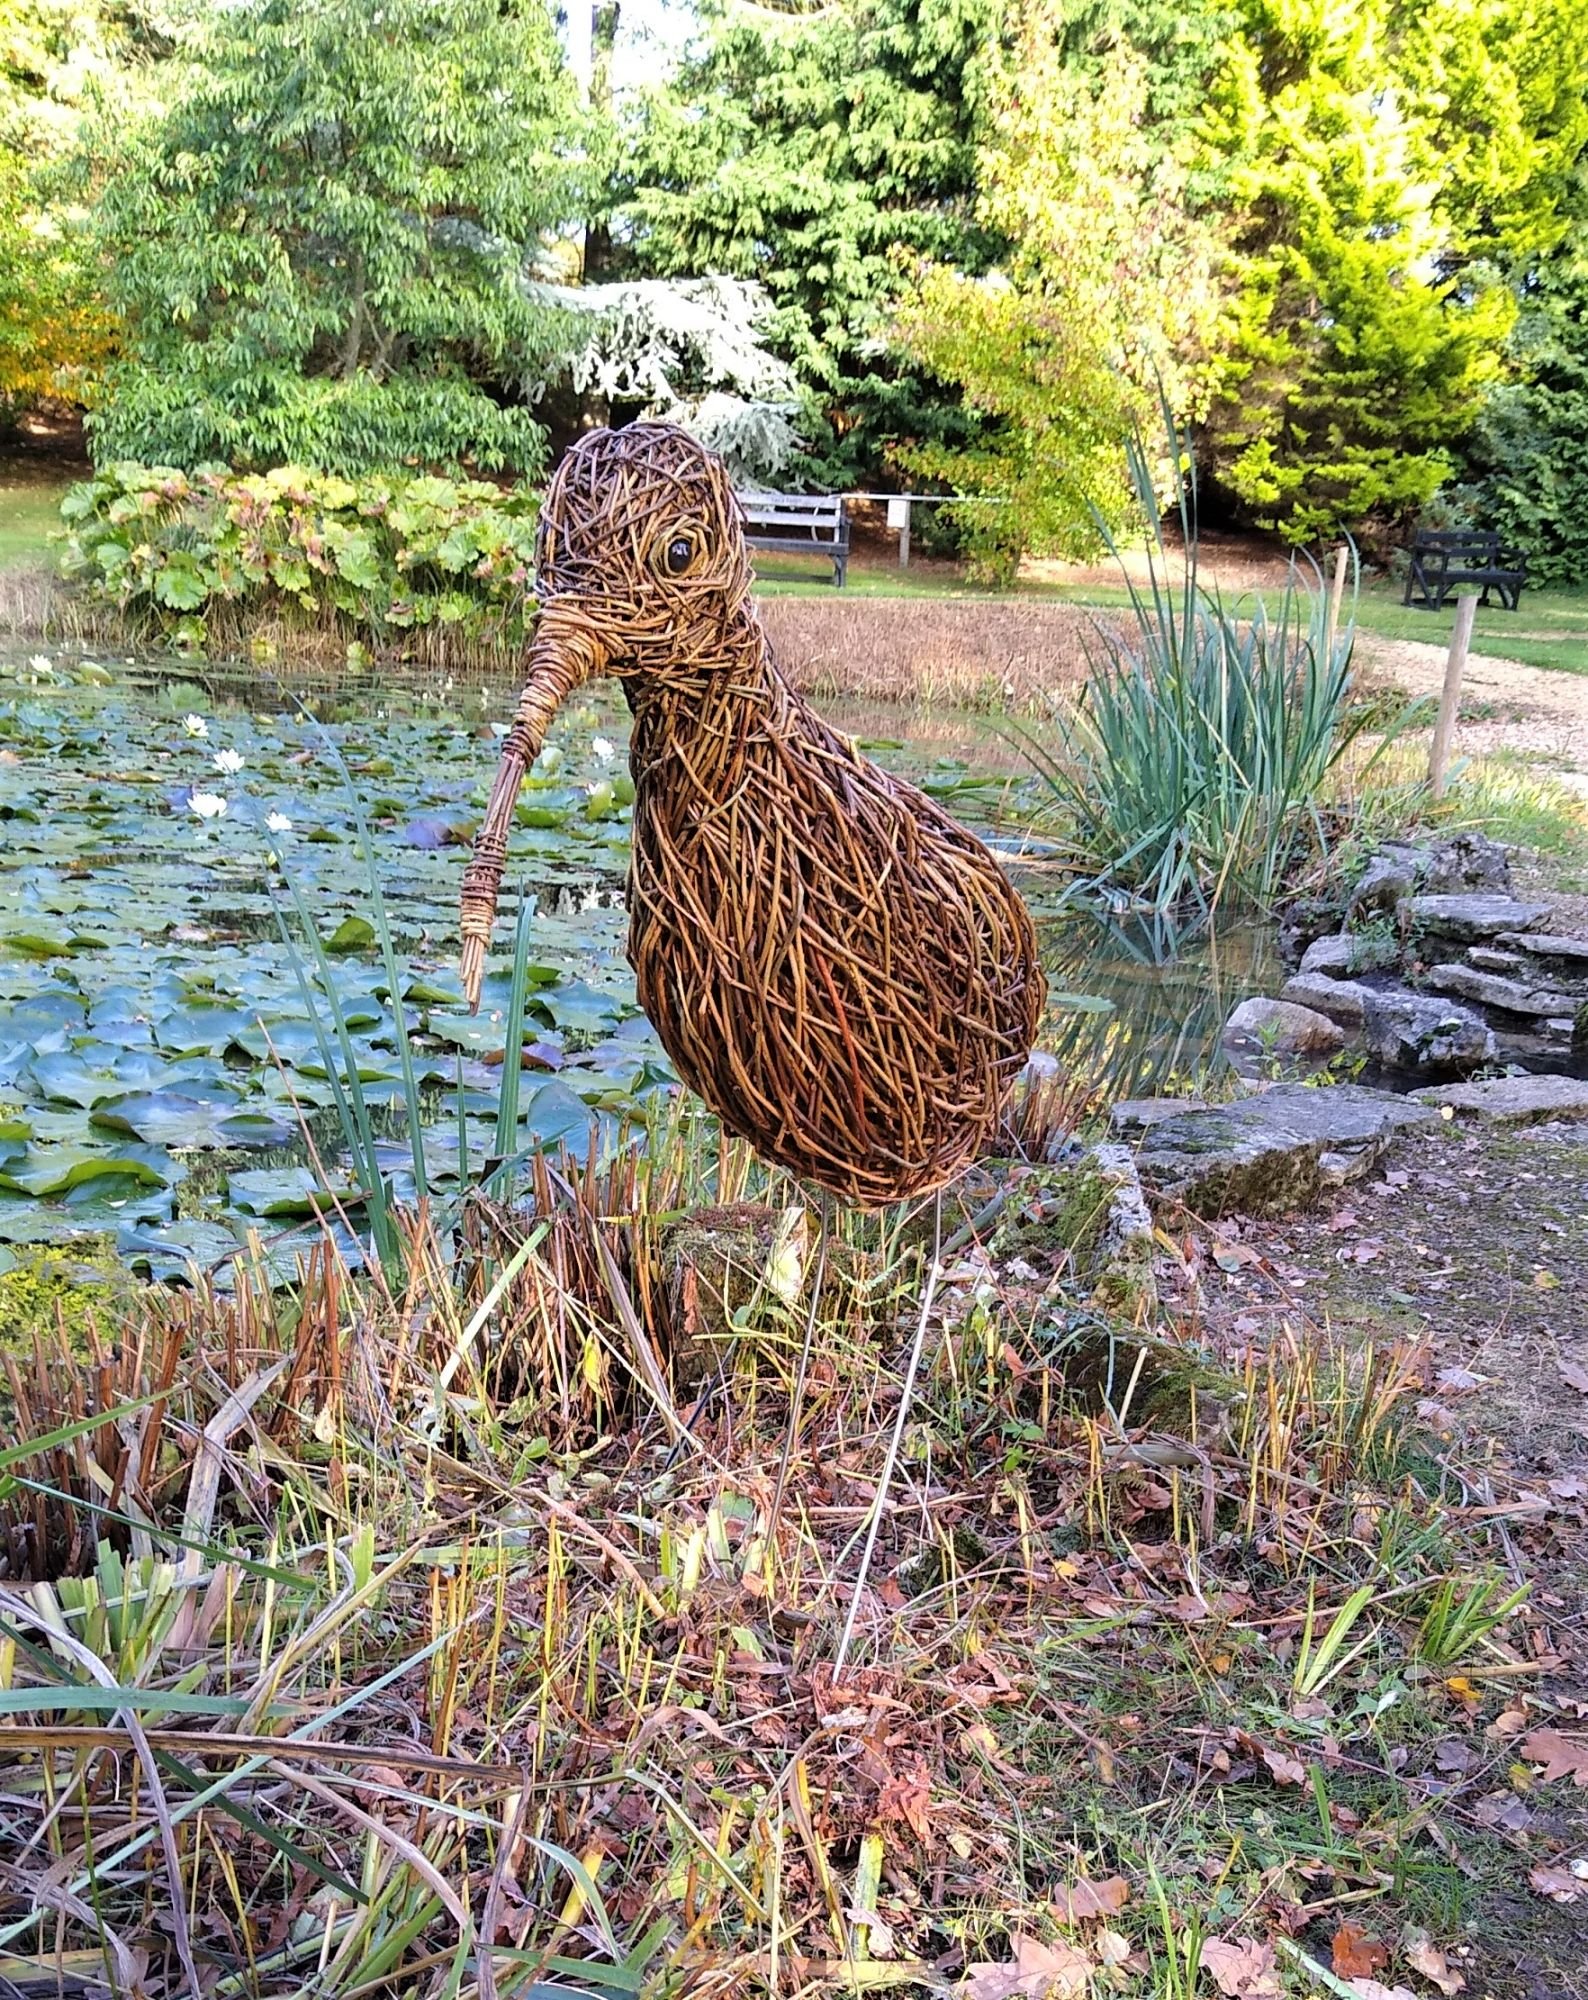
1084 1902
1561 1756
1559 1884
1036 1972
1284 1770
1241 1967
1355 1955
1424 1956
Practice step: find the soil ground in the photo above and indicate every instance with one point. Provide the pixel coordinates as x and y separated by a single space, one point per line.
1470 1250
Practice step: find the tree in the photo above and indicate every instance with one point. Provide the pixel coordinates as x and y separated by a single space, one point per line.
1385 166
1097 310
808 153
318 248
55 332
1528 459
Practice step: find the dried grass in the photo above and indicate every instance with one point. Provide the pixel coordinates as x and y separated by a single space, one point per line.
959 652
421 1661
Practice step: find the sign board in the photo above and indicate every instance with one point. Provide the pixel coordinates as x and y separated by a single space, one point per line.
898 513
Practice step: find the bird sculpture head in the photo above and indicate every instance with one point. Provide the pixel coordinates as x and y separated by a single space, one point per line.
640 559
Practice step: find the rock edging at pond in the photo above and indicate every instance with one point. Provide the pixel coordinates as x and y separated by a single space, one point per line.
1513 1100
1270 1152
1438 970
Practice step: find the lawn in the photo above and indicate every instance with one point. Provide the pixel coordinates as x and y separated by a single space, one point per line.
29 512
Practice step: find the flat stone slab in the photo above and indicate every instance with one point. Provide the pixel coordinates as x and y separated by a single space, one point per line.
1545 944
1473 919
1276 1150
1137 1114
1490 989
1513 1100
1343 1000
1329 957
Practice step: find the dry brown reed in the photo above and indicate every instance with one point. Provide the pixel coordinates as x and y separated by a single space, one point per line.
425 1702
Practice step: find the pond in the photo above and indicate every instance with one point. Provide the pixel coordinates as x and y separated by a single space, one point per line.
167 1053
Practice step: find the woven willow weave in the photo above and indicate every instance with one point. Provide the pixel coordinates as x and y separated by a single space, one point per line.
839 969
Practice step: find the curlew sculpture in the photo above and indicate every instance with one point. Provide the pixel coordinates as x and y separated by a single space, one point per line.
838 968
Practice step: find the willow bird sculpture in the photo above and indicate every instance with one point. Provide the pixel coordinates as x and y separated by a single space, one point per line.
840 970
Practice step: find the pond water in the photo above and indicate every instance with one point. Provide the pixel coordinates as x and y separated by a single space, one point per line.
165 1038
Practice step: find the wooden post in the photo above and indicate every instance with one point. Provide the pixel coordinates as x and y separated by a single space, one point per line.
1336 599
899 519
1450 699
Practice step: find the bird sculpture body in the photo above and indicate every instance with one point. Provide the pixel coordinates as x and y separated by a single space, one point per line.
837 967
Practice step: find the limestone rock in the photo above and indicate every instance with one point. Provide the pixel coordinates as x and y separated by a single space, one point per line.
1513 1100
1343 1000
1283 1028
1329 957
1489 989
1467 861
1140 1114
1473 919
1544 944
1414 1031
1122 1272
1387 881
1275 1150
1561 962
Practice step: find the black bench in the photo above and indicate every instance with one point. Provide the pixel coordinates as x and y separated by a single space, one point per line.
1447 561
799 524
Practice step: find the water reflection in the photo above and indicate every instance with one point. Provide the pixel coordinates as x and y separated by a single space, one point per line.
1138 1001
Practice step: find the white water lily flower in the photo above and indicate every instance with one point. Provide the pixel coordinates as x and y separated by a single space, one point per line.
41 663
603 749
278 822
228 762
195 725
208 805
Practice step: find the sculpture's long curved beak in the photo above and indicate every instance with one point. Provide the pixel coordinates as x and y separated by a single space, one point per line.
564 651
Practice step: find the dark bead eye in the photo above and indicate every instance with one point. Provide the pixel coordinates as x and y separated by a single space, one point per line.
680 554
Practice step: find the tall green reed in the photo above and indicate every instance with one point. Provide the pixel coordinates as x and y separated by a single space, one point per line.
1191 772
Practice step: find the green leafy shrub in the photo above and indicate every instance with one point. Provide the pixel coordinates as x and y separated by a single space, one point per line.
383 553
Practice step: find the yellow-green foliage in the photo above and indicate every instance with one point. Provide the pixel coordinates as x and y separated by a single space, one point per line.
45 1290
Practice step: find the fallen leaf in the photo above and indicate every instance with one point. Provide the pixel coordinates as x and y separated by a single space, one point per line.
1083 1902
907 1796
1458 1381
1036 1972
1424 1956
1575 1375
1365 1252
1375 1989
1241 1967
1559 1884
1561 1756
1112 1947
1354 1954
1454 1756
1285 1770
1504 1811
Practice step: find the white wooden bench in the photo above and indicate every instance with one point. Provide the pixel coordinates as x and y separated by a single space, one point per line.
811 524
